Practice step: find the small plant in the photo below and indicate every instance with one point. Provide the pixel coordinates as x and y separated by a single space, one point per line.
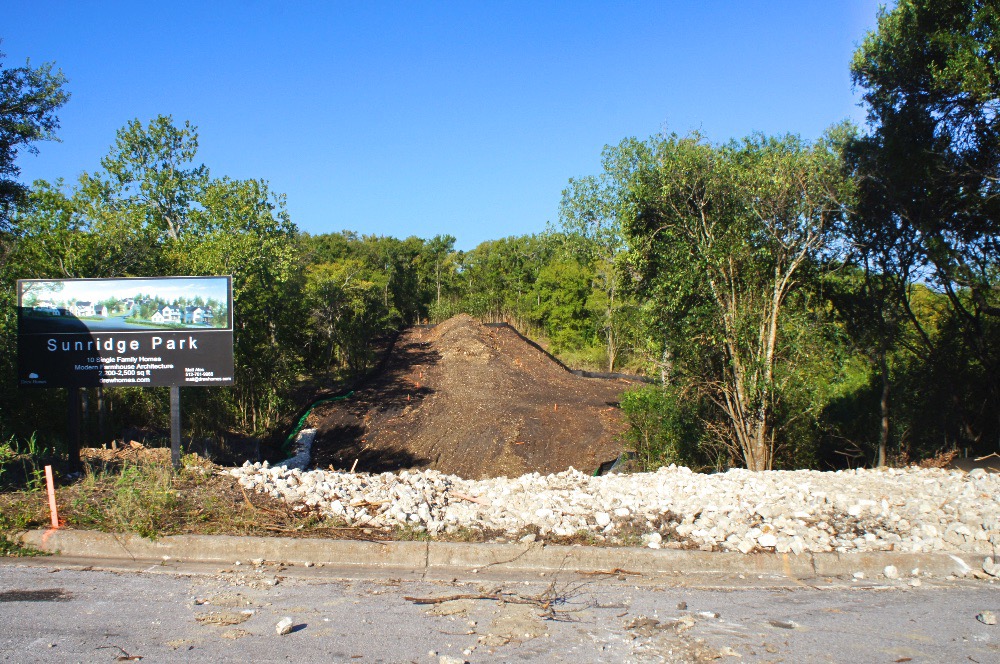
17 516
6 455
7 450
409 533
664 427
26 458
142 499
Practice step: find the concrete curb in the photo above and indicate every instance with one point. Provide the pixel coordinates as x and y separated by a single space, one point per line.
442 556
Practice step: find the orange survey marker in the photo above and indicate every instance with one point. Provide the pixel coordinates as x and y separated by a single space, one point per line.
50 485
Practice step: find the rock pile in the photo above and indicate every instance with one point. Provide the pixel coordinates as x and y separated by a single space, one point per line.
907 510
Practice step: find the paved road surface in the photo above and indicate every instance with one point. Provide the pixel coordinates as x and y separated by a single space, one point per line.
52 612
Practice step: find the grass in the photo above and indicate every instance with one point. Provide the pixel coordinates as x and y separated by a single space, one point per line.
17 516
151 499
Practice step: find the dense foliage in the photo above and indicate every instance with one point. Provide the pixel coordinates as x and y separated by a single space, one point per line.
797 303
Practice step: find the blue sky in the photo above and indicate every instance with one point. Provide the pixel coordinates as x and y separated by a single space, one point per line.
419 118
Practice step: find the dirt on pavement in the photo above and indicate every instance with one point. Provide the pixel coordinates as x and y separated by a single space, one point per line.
474 401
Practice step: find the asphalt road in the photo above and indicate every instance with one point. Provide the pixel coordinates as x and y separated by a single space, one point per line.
52 613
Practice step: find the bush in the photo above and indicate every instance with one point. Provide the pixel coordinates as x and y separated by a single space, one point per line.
665 427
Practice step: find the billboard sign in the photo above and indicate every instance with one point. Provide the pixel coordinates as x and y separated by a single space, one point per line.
145 332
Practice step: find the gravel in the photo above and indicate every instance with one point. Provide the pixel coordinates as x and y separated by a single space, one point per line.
906 510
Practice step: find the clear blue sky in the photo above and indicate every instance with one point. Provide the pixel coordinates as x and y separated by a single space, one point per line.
419 118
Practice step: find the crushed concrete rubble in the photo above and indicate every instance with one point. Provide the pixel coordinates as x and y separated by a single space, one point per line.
284 626
905 510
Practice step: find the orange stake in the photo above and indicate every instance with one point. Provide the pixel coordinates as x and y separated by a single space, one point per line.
555 407
50 484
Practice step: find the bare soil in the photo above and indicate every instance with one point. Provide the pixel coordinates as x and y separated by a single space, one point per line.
474 401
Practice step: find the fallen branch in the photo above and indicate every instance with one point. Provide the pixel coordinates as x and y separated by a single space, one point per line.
349 529
508 598
124 657
287 513
471 499
545 601
369 503
618 571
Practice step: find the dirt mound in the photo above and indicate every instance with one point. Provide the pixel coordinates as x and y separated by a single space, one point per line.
474 401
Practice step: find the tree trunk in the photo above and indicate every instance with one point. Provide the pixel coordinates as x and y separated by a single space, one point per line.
437 277
666 366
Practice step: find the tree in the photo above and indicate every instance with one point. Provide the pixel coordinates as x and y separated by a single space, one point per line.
439 260
498 277
345 304
149 175
929 171
244 230
29 98
52 237
563 288
592 209
720 238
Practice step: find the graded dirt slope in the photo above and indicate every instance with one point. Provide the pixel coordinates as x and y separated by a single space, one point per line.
473 401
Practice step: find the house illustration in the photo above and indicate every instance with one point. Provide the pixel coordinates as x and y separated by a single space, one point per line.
167 314
46 307
84 308
197 315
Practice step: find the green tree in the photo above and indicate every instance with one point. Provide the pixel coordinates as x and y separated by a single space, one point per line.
928 173
563 288
345 302
52 237
150 176
438 259
150 212
721 237
243 229
29 99
591 210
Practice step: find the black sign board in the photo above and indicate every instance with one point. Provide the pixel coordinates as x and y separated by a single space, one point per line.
143 332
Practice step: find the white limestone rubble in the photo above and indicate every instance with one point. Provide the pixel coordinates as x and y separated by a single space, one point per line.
905 510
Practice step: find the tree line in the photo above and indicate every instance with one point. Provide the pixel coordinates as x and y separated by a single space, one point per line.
800 303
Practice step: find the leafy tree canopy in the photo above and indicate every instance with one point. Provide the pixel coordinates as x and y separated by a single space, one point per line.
29 98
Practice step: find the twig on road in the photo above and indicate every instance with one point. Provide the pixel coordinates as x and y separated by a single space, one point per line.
618 571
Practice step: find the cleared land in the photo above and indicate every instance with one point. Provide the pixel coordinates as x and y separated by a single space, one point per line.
473 401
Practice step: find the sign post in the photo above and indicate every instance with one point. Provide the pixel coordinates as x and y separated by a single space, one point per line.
175 426
73 432
129 332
